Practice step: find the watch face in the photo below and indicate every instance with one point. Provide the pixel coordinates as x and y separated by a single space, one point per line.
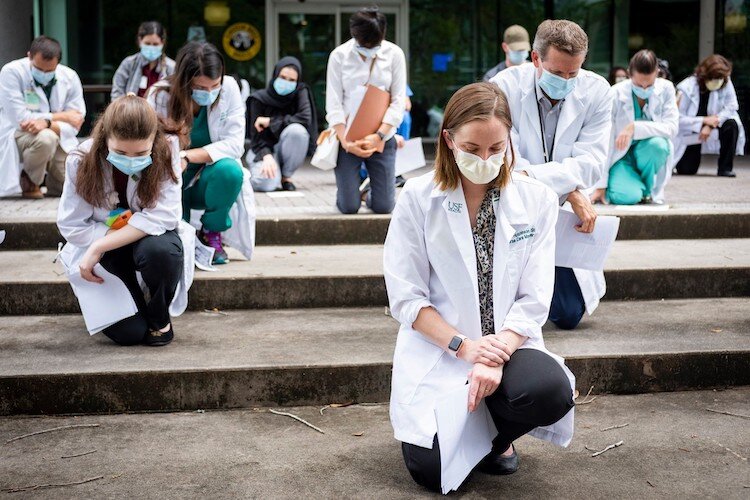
455 343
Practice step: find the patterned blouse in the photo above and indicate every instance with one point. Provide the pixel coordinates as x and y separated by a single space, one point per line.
484 244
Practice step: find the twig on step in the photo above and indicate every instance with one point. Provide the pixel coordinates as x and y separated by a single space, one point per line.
650 483
615 427
728 413
611 446
54 429
34 487
298 419
79 454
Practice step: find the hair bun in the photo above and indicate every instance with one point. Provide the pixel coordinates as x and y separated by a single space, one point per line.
131 94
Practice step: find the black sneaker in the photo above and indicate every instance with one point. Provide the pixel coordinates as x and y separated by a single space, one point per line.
725 173
155 338
288 186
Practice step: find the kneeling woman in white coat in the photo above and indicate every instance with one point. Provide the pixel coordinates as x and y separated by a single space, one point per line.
469 268
709 122
128 165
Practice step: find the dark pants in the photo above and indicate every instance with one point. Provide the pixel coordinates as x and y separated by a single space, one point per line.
160 262
729 133
533 392
382 170
567 306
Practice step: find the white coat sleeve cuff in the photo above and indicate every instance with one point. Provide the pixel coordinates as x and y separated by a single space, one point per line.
99 231
335 118
411 311
529 329
142 223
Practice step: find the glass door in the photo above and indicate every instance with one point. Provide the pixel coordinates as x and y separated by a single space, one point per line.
310 38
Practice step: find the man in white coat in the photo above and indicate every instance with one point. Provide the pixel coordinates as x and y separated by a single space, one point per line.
562 118
41 112
645 121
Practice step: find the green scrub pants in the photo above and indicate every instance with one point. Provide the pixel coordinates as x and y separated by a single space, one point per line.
215 191
631 178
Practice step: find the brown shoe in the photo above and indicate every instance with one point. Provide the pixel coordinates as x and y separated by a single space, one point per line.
30 190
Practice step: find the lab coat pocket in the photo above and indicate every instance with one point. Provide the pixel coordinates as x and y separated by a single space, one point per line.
516 260
413 359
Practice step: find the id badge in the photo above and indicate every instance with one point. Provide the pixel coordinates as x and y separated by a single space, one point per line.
32 100
144 82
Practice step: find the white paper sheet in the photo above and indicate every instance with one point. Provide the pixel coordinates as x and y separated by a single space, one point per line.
584 250
285 194
465 438
410 157
102 304
204 256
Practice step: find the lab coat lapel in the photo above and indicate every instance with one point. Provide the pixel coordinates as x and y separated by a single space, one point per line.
511 216
457 214
572 108
531 114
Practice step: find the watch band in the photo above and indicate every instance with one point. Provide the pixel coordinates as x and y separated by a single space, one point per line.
381 135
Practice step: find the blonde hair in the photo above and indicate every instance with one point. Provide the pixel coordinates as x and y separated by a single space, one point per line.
477 101
561 34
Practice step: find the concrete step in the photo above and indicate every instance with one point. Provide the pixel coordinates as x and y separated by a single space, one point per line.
352 276
636 224
49 365
673 448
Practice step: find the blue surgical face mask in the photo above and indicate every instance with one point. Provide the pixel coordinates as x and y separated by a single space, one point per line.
205 97
42 77
555 86
151 52
284 87
518 56
128 165
367 53
642 93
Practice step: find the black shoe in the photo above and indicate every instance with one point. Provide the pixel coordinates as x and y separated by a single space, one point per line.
497 465
647 200
400 181
724 173
288 186
155 338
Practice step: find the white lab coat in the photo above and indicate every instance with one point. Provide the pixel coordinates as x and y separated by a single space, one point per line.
430 260
722 102
581 144
661 108
226 128
15 80
81 224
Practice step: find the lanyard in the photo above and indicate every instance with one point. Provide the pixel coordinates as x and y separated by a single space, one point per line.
547 154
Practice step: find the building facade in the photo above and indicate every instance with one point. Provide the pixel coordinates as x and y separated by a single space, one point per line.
448 43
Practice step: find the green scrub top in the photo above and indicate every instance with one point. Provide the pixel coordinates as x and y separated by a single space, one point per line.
199 135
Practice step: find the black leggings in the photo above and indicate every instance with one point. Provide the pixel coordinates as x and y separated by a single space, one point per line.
160 261
729 133
533 392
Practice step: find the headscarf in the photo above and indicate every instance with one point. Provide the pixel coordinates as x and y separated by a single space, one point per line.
270 97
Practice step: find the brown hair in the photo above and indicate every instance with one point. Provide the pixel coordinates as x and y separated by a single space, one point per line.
561 34
129 118
193 59
644 62
713 67
477 101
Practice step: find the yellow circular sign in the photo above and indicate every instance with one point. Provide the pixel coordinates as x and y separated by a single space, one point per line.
241 41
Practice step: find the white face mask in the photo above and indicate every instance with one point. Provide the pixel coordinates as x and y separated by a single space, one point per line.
714 84
476 169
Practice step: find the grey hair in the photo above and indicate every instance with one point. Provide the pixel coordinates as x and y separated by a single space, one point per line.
565 36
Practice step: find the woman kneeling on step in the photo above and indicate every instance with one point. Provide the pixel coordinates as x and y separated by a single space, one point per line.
469 268
121 207
207 110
